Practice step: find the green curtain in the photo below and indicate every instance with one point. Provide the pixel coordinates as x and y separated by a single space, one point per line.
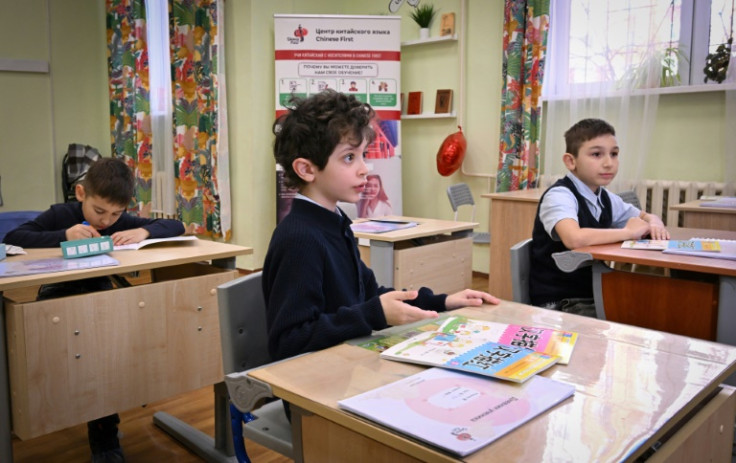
526 23
195 87
130 119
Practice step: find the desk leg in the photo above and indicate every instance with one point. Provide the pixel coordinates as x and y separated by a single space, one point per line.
219 449
382 262
6 437
726 326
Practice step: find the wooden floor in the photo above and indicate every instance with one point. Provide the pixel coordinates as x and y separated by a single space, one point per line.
142 441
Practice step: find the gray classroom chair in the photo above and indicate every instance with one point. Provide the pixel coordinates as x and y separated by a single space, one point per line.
245 346
460 195
521 257
243 334
631 198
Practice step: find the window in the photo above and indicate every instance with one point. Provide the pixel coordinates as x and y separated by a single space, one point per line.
600 46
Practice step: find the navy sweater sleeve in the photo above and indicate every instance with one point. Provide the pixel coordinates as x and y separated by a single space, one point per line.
48 230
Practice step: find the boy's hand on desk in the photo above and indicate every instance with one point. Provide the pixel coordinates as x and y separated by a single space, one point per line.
637 228
134 235
469 297
398 312
81 232
657 230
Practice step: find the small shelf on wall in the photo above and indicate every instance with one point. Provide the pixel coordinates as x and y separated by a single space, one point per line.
429 116
444 38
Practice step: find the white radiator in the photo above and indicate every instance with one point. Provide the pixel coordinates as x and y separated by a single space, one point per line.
656 196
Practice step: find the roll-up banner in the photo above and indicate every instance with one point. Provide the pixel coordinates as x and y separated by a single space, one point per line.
360 55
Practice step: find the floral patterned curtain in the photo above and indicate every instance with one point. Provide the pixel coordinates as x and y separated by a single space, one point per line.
196 87
130 119
526 23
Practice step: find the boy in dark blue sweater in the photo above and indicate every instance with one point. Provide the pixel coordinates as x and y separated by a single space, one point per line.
103 196
318 292
578 211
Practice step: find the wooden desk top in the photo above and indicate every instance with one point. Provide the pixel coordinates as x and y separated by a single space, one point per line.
424 228
130 261
613 252
532 195
632 384
695 206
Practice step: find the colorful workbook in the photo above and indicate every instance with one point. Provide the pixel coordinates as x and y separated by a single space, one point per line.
470 354
699 247
652 245
458 412
381 226
544 340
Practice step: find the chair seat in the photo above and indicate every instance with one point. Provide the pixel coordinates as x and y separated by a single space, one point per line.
272 429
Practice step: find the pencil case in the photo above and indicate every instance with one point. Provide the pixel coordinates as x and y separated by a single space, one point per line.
86 247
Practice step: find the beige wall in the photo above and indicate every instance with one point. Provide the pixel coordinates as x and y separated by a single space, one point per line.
42 113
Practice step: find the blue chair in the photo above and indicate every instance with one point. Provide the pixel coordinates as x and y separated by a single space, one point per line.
11 219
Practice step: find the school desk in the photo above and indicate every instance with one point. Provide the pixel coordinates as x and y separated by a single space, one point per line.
697 298
715 218
511 220
436 253
74 359
634 387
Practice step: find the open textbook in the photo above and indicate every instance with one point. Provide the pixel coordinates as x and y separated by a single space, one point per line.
544 340
455 411
471 355
153 241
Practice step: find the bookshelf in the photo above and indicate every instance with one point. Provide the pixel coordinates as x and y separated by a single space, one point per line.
459 97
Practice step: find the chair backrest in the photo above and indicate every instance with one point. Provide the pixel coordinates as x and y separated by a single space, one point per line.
12 219
631 198
243 323
460 195
521 256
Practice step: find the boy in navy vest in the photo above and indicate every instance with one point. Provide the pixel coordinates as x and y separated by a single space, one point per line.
578 211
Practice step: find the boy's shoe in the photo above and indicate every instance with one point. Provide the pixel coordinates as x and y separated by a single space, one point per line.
109 456
103 440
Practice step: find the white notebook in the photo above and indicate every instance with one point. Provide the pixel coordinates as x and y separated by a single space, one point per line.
458 412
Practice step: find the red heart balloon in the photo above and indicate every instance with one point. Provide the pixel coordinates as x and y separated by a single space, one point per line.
452 152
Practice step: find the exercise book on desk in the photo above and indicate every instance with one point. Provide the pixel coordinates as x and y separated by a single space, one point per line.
715 249
155 241
50 265
381 226
545 340
471 355
456 411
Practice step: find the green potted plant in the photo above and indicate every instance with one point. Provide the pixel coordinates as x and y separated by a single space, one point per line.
423 16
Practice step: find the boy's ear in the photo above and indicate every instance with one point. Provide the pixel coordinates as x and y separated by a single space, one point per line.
79 192
304 168
569 161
